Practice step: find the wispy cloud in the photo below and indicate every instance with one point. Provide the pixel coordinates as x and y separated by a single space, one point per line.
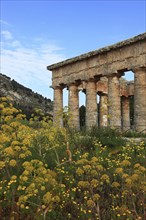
7 35
27 64
4 22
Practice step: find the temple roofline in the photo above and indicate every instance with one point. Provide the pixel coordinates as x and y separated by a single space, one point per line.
99 51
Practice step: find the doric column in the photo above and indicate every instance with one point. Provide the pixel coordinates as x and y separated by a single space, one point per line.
58 106
91 104
140 99
125 113
103 111
74 106
114 101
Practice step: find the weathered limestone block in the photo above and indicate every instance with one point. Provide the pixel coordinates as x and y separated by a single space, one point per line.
74 106
114 102
125 113
102 85
91 104
58 107
103 111
140 99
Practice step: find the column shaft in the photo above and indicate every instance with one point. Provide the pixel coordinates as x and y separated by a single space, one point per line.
125 113
58 107
103 111
91 104
140 99
74 106
114 102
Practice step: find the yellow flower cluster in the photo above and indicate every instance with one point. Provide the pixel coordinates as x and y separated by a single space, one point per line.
37 178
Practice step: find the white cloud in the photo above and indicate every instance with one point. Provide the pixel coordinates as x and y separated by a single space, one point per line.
27 65
7 35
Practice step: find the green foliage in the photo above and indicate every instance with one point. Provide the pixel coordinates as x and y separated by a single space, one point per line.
49 173
134 134
108 137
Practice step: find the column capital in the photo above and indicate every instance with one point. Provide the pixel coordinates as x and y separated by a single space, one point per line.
139 68
58 87
92 80
116 74
74 84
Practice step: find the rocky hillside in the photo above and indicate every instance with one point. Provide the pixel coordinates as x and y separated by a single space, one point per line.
24 98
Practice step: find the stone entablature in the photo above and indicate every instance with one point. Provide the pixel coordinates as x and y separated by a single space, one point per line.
119 57
100 72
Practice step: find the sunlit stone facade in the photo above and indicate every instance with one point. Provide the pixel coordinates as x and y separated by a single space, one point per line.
99 72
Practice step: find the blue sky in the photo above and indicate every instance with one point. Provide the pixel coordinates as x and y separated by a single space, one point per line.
35 34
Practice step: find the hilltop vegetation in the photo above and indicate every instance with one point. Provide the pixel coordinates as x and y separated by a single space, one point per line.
24 98
53 173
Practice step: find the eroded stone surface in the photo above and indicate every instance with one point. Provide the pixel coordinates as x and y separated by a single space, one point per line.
140 99
125 113
91 104
74 105
114 102
125 55
58 107
103 118
99 72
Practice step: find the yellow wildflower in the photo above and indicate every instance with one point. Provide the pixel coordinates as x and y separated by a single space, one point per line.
96 197
125 175
22 156
85 155
115 184
79 171
90 203
43 206
99 167
43 188
2 164
15 143
105 178
56 199
94 159
24 178
9 151
93 173
13 177
128 181
125 163
22 206
142 169
87 167
83 184
94 183
119 170
12 163
137 165
47 198
135 177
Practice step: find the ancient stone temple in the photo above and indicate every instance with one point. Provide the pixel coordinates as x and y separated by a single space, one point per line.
100 72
